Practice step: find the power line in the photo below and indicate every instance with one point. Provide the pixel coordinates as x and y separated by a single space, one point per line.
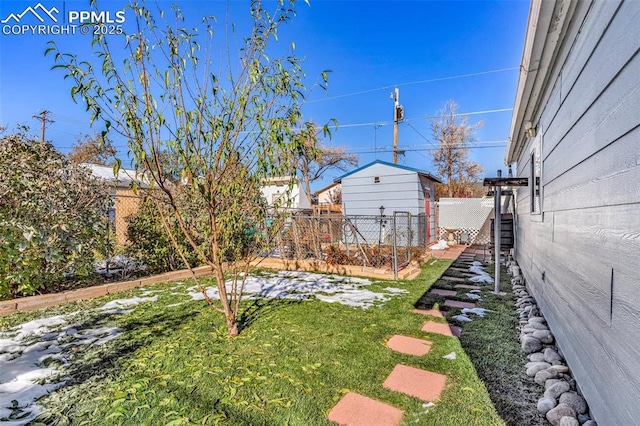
422 149
426 117
432 80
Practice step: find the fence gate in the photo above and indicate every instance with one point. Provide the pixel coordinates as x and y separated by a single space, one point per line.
403 239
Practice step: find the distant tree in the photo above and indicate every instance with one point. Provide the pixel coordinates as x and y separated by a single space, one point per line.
455 136
316 159
52 217
96 149
228 129
335 195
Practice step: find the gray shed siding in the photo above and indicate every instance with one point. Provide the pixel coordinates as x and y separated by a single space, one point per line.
580 255
397 190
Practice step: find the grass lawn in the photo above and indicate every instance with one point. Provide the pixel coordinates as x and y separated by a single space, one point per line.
293 361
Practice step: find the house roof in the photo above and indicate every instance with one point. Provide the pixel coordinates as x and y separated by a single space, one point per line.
326 188
124 179
546 29
397 166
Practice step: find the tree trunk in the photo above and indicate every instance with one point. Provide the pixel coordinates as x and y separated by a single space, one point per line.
232 325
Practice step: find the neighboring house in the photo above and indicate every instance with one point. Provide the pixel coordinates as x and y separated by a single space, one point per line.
125 200
576 135
327 194
396 188
324 200
273 189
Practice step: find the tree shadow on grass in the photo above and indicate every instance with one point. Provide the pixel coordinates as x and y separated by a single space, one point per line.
260 308
98 361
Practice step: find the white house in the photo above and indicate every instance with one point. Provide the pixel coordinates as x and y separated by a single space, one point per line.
327 194
273 189
392 186
575 134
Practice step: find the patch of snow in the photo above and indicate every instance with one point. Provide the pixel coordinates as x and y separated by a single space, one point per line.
440 245
473 296
461 318
477 270
476 311
485 278
396 290
114 307
452 355
28 353
305 285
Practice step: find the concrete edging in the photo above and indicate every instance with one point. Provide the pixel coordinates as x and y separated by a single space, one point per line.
32 303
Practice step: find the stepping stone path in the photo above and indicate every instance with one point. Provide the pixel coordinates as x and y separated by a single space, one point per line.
456 279
429 312
468 286
358 410
409 345
457 304
437 328
416 382
442 292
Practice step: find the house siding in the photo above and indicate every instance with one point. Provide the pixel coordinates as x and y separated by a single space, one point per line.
580 255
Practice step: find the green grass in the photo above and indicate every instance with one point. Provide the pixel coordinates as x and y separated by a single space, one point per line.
290 365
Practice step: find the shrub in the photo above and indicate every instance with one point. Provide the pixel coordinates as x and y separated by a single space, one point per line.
52 217
149 242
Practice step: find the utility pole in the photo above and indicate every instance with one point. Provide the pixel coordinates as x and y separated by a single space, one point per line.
44 120
398 115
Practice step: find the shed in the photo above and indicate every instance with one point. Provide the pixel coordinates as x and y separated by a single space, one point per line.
574 135
395 187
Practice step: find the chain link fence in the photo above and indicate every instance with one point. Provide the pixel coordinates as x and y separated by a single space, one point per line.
384 242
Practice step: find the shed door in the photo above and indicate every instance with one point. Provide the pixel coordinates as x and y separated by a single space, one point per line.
427 213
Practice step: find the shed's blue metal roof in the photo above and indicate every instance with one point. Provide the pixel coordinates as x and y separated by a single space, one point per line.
398 166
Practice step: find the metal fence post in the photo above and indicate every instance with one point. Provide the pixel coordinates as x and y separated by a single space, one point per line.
395 249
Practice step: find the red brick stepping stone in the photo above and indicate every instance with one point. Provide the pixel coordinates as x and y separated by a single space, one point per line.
421 384
429 312
409 345
443 292
468 286
357 410
457 304
457 279
437 328
456 330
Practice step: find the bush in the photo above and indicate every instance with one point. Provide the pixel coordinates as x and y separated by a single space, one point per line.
149 242
52 217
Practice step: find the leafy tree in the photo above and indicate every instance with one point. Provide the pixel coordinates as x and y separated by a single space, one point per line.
229 129
455 136
316 159
52 216
96 149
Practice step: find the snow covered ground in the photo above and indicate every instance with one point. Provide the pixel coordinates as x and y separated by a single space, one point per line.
33 355
305 285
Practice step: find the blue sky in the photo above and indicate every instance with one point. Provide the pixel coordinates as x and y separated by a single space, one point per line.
468 51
